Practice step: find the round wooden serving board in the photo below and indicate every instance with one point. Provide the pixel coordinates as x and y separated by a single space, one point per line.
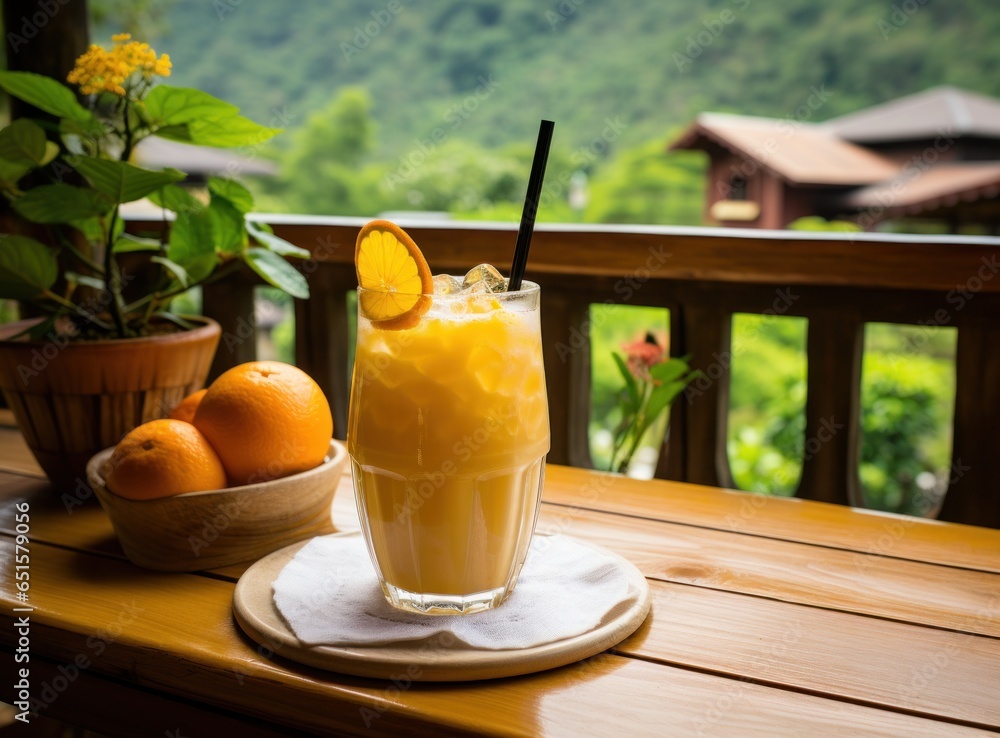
256 613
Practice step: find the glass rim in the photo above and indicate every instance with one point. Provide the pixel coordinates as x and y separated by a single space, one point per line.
527 288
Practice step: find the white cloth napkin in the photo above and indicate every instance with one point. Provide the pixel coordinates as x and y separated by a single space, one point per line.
329 595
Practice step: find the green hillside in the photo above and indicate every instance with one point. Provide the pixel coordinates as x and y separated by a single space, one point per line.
650 65
404 105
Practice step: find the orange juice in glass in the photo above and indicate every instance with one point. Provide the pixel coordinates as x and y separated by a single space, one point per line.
448 433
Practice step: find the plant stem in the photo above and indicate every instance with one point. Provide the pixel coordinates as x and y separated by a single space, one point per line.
635 428
636 437
111 281
220 273
127 147
90 318
82 257
621 445
150 309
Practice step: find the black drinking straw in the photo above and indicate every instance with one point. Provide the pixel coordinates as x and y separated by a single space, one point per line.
531 198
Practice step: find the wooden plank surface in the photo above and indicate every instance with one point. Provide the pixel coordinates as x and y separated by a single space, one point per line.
868 532
816 631
834 526
864 660
134 712
909 591
141 628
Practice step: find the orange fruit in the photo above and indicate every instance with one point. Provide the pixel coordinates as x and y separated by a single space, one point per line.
163 458
266 420
393 274
185 410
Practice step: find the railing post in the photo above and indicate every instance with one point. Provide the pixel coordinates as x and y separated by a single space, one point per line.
321 337
230 302
833 390
565 321
696 445
973 495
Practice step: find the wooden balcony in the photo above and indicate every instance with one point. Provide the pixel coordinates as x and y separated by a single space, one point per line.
703 276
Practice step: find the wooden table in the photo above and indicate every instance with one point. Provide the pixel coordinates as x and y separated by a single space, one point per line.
770 617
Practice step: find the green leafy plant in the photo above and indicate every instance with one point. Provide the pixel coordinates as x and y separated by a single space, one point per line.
65 178
652 381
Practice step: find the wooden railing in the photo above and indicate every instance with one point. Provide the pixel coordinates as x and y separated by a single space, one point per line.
703 276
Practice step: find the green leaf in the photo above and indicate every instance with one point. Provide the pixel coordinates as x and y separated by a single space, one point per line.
85 280
51 152
177 320
660 399
172 106
120 180
24 141
192 245
176 198
262 234
670 370
90 228
60 203
12 171
278 272
229 132
621 431
74 133
39 331
630 384
200 268
176 269
23 147
193 116
231 190
175 133
191 235
229 226
27 268
129 243
46 94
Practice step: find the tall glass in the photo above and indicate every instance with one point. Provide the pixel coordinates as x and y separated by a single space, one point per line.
448 433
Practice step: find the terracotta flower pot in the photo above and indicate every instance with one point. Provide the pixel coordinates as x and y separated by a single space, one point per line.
73 399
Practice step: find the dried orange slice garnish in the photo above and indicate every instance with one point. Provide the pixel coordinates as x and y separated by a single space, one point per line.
394 275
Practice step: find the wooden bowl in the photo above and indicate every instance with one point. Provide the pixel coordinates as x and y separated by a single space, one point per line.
205 530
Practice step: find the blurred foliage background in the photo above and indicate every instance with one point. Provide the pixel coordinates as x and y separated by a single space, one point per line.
398 105
404 106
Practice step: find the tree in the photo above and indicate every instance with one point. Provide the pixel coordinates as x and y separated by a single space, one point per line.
324 171
457 176
646 184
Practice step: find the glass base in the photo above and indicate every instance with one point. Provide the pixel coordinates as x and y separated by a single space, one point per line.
440 604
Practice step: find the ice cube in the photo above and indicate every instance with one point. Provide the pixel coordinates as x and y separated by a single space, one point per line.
481 287
484 278
445 284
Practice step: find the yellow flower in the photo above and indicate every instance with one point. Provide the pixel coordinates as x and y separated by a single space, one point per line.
162 66
99 70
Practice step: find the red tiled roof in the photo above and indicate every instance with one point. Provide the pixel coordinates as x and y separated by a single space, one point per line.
914 191
799 152
924 115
